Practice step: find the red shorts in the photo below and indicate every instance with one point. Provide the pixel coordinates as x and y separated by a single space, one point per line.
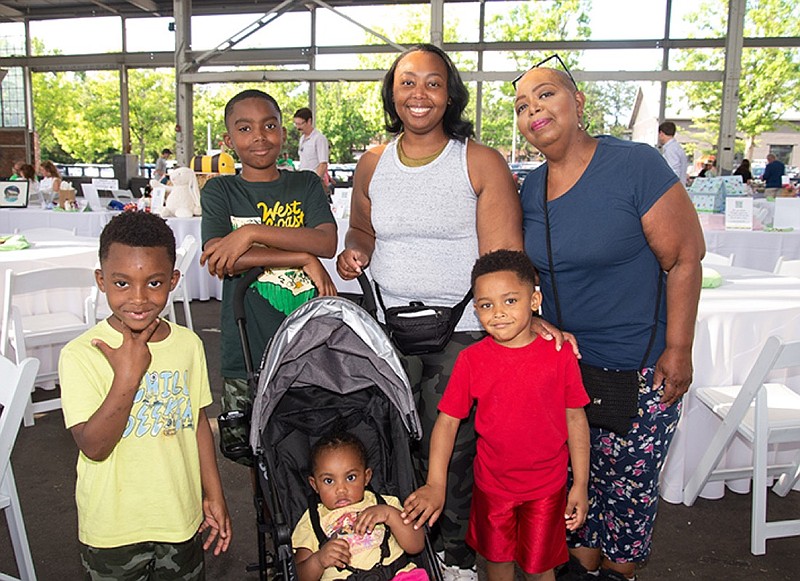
532 532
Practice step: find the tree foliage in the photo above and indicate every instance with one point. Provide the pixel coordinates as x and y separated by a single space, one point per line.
770 77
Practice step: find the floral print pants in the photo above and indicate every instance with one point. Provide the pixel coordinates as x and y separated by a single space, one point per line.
623 480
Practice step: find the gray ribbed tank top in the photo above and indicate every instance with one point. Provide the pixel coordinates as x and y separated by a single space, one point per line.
426 238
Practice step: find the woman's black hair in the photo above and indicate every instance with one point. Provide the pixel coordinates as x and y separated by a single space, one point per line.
455 126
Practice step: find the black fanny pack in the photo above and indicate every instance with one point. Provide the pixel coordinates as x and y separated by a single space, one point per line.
418 328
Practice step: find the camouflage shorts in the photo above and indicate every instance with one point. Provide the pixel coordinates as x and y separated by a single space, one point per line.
146 562
235 435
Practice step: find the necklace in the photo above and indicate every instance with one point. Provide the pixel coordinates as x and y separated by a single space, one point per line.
416 161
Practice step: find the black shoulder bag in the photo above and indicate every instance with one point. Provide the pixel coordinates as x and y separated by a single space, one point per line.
613 394
419 328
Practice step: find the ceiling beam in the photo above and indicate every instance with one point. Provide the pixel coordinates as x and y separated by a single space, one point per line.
146 5
11 13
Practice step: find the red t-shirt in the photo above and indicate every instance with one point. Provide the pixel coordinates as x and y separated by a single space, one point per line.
521 395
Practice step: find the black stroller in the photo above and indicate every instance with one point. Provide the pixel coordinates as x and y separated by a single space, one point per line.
329 364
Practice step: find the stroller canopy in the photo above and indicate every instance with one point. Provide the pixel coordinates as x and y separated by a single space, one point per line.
331 343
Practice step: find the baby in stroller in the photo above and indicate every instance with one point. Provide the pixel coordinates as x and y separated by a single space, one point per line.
343 537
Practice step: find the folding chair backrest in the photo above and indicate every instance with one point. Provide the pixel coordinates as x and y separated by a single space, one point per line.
713 258
185 256
48 279
16 382
47 234
787 267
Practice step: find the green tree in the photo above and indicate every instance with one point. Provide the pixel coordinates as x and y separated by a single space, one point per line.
151 97
546 20
770 77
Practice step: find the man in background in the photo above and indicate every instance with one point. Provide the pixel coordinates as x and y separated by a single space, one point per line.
672 151
313 149
773 174
160 173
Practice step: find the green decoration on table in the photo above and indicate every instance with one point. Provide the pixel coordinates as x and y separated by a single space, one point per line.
285 288
14 242
711 278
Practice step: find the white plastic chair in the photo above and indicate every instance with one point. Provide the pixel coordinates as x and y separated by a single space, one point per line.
53 324
787 267
186 253
16 382
712 258
763 414
47 234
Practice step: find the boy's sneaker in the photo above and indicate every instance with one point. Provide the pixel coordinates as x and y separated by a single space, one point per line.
454 572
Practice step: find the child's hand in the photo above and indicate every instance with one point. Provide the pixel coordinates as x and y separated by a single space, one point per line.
132 358
320 277
218 523
221 255
334 553
371 516
351 263
423 505
577 508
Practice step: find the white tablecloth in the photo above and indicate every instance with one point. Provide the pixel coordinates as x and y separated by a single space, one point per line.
754 249
201 285
733 322
85 223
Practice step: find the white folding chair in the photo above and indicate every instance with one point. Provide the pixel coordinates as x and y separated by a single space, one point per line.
712 258
16 382
54 321
185 254
787 267
763 414
47 234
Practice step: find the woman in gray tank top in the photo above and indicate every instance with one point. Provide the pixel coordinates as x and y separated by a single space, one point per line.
423 208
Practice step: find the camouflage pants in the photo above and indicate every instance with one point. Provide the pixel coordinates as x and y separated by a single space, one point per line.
451 528
146 562
235 435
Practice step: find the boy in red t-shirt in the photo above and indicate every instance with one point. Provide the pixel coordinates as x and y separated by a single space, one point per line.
530 424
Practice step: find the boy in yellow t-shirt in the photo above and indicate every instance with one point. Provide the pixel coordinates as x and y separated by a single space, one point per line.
134 389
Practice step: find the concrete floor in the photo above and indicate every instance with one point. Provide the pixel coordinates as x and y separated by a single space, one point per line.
709 541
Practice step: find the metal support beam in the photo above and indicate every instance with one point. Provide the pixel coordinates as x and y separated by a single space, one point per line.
374 33
437 23
312 64
124 100
662 102
730 87
184 128
479 88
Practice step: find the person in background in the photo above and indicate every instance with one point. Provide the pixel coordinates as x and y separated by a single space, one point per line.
160 172
28 173
15 171
313 149
673 151
50 184
773 174
744 171
604 219
285 162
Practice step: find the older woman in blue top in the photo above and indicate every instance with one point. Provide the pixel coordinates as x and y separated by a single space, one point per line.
618 218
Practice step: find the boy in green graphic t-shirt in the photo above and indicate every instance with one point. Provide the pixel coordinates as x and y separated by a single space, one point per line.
262 217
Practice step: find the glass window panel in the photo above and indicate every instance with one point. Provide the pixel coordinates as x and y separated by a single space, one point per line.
150 34
79 35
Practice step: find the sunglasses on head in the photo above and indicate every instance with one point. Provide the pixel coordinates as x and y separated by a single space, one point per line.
540 63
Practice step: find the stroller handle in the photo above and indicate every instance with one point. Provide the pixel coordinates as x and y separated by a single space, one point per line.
241 288
368 301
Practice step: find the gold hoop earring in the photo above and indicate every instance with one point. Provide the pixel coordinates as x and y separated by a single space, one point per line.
581 126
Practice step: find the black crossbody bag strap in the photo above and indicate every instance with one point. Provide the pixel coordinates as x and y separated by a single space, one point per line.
653 332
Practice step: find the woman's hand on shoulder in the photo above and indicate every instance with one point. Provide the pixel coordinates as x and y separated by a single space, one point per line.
550 332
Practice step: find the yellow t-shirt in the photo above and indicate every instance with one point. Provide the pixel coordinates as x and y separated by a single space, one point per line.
148 489
365 550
